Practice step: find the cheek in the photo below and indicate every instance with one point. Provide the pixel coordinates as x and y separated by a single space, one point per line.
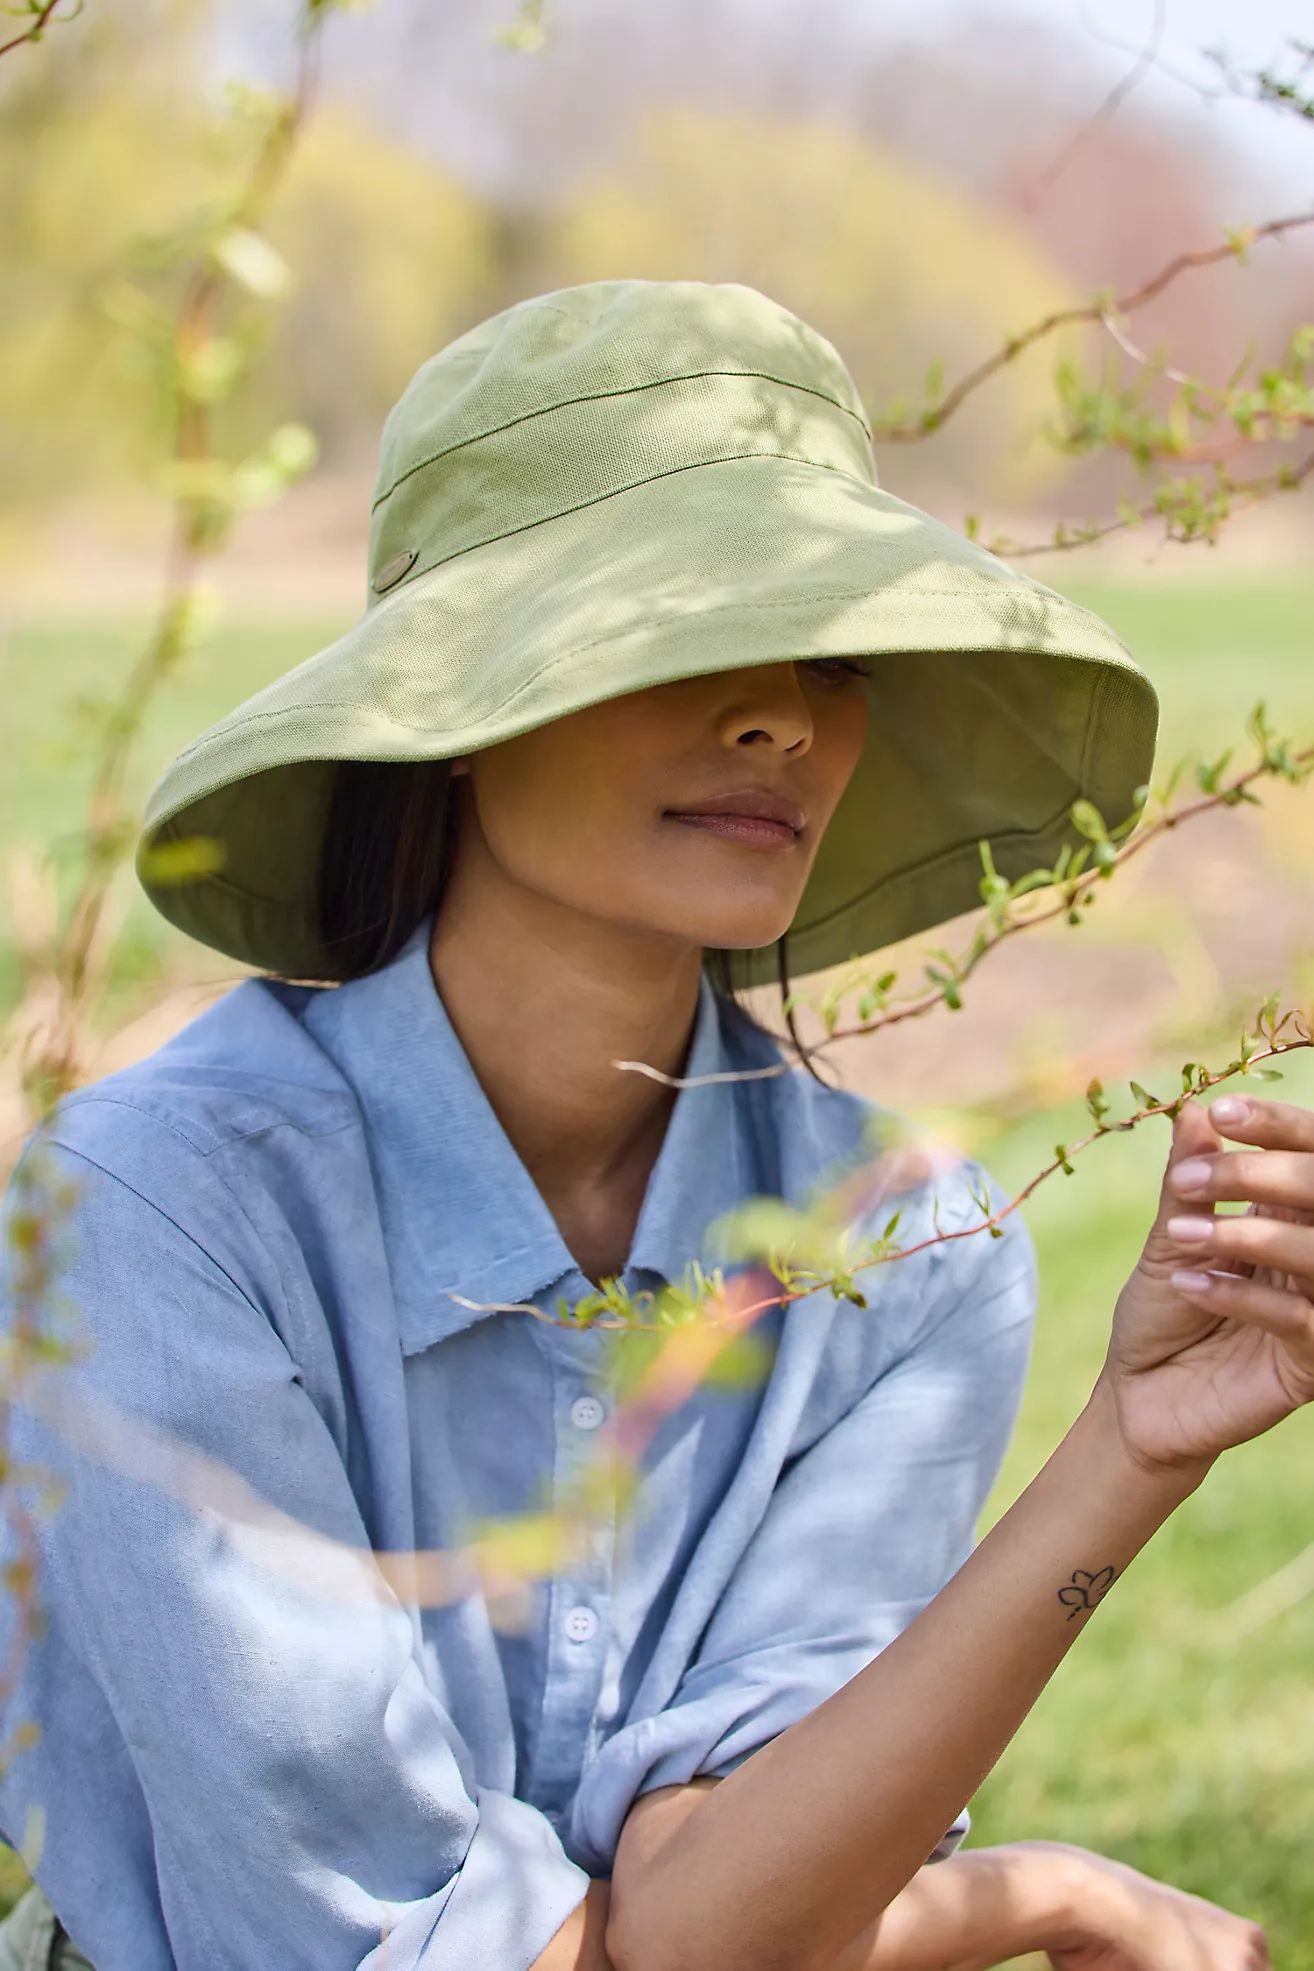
560 823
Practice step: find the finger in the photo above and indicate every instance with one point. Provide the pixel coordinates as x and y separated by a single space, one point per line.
1289 1316
1273 1177
1270 1242
1283 1125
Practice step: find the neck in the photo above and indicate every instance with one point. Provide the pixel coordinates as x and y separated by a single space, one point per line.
541 1027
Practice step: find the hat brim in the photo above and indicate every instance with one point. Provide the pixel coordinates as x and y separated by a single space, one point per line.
1000 701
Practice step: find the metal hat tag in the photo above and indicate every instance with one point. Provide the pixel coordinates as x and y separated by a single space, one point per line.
392 571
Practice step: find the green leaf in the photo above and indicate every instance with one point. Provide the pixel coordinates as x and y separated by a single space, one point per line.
208 372
293 449
252 262
193 479
257 484
182 861
1268 1074
743 1363
763 1226
526 35
1087 817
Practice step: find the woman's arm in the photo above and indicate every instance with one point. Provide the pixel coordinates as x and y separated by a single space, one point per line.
972 1910
976 1910
811 1838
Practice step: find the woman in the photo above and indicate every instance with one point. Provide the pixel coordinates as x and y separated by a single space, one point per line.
630 570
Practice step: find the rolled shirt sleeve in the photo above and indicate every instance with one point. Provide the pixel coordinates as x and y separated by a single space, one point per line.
264 1769
861 1532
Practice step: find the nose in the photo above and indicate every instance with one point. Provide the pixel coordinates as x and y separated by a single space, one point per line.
767 701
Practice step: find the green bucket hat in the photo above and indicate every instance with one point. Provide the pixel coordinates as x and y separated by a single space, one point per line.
617 484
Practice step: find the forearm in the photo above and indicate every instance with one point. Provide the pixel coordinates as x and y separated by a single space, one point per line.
971 1911
974 1910
804 1845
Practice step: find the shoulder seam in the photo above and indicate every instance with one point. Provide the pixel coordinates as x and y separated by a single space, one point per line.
71 1149
241 1136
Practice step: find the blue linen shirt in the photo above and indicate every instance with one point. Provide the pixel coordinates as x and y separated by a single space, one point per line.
275 1208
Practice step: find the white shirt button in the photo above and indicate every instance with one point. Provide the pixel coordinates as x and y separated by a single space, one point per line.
581 1624
586 1413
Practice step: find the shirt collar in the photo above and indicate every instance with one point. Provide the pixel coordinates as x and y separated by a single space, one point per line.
458 1208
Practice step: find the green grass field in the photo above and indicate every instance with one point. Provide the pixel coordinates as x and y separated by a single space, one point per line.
1158 1741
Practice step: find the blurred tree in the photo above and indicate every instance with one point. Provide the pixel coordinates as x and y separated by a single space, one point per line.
99 141
892 265
390 259
108 151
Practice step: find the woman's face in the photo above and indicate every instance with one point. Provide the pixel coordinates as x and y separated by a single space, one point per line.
579 812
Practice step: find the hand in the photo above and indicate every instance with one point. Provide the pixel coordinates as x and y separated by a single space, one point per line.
1130 1922
1193 1372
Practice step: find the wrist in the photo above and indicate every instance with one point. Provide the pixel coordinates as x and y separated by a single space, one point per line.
1073 1893
1100 1423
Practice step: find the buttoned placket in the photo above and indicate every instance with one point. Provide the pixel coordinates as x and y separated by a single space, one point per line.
579 1595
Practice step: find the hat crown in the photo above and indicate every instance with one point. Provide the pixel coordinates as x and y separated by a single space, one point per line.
584 392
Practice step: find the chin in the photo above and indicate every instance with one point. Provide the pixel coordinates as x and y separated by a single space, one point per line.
727 938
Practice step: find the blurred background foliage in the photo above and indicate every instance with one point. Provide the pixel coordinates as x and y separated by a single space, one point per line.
671 143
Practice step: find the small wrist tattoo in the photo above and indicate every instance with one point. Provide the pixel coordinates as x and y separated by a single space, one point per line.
1086 1589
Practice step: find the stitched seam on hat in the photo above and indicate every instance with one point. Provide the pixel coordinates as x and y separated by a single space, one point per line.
599 499
600 396
581 649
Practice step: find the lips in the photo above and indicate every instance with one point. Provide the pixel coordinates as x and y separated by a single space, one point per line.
753 803
739 828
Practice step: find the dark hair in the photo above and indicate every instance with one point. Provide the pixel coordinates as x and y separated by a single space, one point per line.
385 861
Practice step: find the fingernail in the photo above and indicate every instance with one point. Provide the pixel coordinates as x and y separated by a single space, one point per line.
1190 1174
1230 1108
1187 1282
1190 1231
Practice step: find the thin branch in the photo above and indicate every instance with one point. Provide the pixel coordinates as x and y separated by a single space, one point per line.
1283 479
1107 109
58 1069
934 418
34 32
